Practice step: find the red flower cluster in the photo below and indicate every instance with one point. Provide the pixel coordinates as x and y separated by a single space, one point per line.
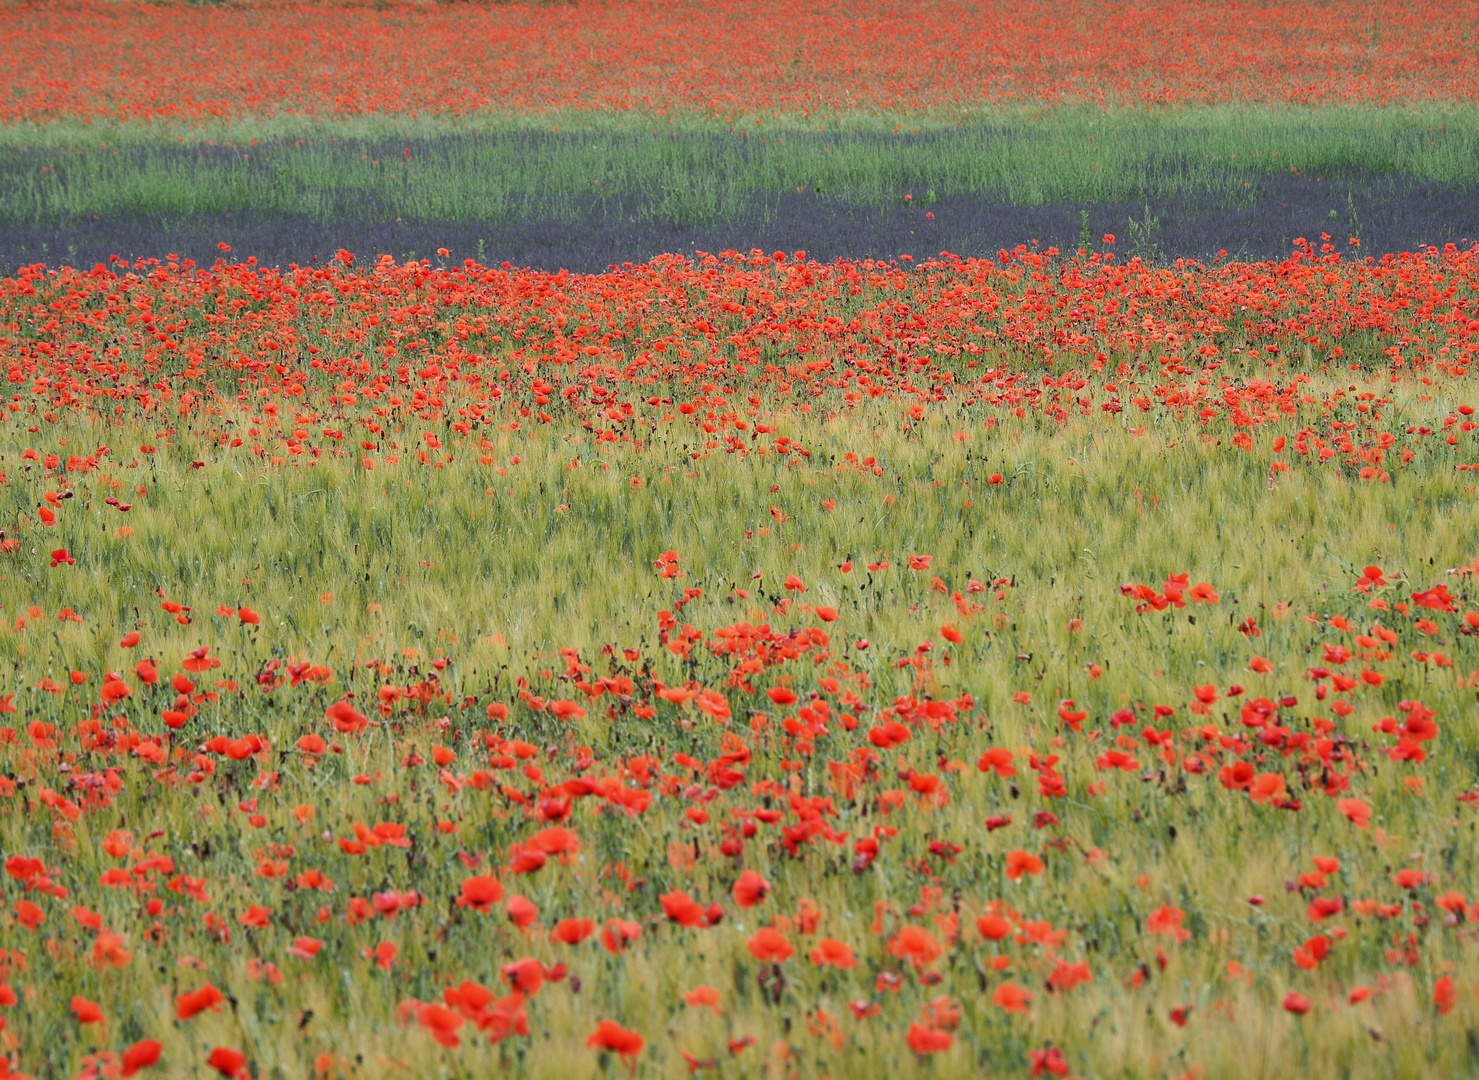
140 62
1022 332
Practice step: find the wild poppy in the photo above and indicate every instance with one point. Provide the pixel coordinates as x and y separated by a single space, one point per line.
572 931
191 1004
383 954
1167 920
87 1012
1010 997
915 944
521 912
140 1055
928 1040
993 927
682 909
345 718
525 976
999 760
1021 862
442 1023
108 951
1203 593
480 893
829 952
702 997
312 744
609 1035
228 1061
1267 787
619 933
1066 976
255 916
305 948
1409 878
1048 1061
1357 810
749 889
769 945
1071 715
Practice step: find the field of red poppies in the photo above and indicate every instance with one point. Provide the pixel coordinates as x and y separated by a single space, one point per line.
90 62
1023 662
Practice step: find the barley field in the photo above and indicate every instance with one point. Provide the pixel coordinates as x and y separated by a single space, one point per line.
475 600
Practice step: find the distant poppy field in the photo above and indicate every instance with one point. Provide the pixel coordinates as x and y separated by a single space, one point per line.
93 62
1030 661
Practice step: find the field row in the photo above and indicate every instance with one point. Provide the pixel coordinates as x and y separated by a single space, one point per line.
594 233
1172 185
690 174
125 62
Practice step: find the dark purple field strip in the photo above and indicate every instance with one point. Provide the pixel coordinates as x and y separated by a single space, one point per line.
1410 216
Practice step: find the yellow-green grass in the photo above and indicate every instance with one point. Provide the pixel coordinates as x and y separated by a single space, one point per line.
498 567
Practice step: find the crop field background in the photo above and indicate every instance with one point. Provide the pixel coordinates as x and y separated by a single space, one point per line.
739 540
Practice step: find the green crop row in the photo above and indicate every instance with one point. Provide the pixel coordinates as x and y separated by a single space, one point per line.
696 174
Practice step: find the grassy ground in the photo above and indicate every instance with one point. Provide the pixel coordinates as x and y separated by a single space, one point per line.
349 568
696 174
528 555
